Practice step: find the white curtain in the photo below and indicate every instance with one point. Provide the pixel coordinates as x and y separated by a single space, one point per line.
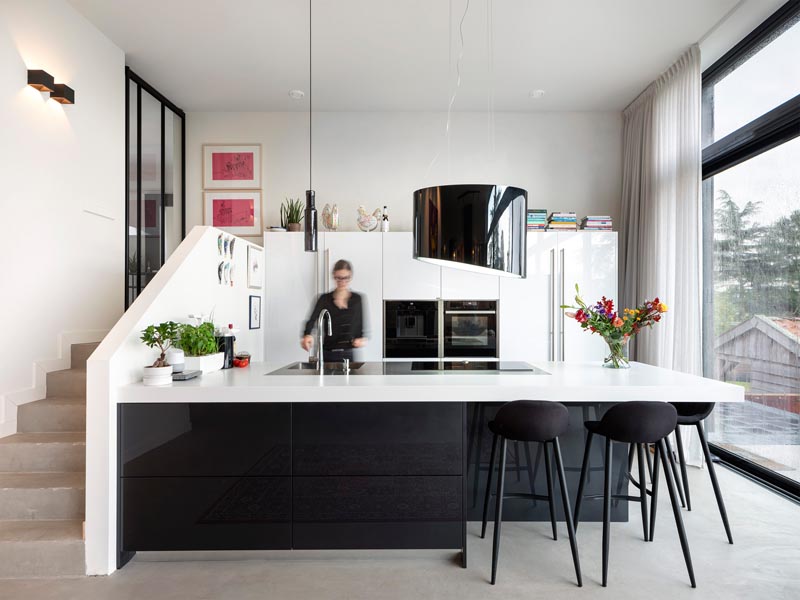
661 227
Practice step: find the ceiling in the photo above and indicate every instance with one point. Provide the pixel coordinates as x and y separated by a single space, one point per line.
373 55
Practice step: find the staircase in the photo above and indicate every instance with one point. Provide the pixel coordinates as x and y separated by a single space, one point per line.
43 479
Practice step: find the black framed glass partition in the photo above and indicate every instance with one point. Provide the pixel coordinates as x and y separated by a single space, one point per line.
155 217
751 204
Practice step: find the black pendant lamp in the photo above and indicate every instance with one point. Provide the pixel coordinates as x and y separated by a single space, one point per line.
311 209
478 227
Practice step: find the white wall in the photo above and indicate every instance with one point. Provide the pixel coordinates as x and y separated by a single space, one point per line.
187 283
62 267
566 161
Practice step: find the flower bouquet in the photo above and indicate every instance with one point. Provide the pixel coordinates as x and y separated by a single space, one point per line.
615 329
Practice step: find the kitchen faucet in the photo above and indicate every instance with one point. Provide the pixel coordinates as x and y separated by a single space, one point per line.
321 336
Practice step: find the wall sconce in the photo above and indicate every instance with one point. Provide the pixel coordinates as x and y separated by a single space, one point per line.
63 94
41 80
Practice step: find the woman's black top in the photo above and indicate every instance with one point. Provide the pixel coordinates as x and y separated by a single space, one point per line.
347 323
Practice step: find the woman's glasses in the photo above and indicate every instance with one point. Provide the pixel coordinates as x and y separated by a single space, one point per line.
341 278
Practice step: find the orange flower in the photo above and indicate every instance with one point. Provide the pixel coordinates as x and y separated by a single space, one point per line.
617 322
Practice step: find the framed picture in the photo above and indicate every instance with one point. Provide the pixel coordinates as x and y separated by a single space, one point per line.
255 312
254 267
235 212
231 167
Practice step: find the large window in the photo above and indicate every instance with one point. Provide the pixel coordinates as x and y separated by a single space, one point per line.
751 170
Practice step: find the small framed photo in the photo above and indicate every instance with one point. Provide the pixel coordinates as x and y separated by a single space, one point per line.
255 268
235 212
255 312
231 167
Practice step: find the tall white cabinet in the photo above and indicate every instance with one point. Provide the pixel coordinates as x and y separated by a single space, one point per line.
404 277
532 326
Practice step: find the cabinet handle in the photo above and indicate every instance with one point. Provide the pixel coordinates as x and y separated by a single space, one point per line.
562 302
327 270
552 303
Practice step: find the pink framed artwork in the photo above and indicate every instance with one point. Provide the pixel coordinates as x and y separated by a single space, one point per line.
237 212
231 167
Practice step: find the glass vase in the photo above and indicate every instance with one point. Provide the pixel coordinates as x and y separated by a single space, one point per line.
617 354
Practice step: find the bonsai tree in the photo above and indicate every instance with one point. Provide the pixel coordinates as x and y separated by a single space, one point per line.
291 212
197 340
160 336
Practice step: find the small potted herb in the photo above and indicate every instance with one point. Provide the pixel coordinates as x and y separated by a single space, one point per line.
291 214
160 336
200 348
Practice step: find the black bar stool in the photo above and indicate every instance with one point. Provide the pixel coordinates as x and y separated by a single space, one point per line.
529 421
639 423
694 413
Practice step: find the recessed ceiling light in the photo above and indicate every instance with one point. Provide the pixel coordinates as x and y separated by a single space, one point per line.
297 94
536 94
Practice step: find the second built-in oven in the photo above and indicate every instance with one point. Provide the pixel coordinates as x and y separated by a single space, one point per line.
469 328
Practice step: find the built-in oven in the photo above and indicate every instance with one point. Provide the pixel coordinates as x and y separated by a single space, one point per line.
411 329
469 328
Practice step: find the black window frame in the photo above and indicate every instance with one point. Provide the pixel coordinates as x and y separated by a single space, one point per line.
776 127
141 84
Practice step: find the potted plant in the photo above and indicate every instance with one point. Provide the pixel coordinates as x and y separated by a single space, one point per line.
200 347
160 336
291 214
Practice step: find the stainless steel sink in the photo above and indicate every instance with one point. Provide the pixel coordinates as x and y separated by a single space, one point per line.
309 368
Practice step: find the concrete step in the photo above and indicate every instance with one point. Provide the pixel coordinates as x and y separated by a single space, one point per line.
41 549
50 451
42 496
53 414
79 354
66 383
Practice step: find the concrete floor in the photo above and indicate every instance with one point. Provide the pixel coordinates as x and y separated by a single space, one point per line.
764 563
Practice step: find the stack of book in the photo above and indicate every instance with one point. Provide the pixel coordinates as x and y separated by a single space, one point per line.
596 223
563 221
537 219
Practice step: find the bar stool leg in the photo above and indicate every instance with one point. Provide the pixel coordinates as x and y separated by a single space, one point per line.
498 515
649 461
606 510
642 489
720 503
531 476
674 469
682 461
488 486
567 511
550 499
582 480
676 511
518 461
654 501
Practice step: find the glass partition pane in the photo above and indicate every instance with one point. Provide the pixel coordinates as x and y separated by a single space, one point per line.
150 226
756 291
131 289
764 81
173 188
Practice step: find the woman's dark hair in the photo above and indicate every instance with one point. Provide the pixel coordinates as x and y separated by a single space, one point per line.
342 265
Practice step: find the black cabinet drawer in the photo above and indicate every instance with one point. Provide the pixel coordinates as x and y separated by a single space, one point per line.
206 513
377 512
212 439
392 438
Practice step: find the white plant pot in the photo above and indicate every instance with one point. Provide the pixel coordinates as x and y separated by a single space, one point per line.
176 358
206 364
157 375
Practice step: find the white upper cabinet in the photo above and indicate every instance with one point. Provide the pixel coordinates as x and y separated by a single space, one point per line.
365 252
404 277
588 259
290 290
458 284
527 320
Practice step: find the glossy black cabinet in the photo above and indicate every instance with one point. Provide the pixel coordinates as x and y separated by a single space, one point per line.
206 513
187 440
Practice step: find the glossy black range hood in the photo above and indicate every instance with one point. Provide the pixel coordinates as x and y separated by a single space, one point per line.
473 227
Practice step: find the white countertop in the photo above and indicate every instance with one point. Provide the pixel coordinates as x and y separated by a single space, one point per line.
566 382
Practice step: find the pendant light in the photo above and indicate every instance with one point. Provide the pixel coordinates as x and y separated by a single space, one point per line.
311 210
475 227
